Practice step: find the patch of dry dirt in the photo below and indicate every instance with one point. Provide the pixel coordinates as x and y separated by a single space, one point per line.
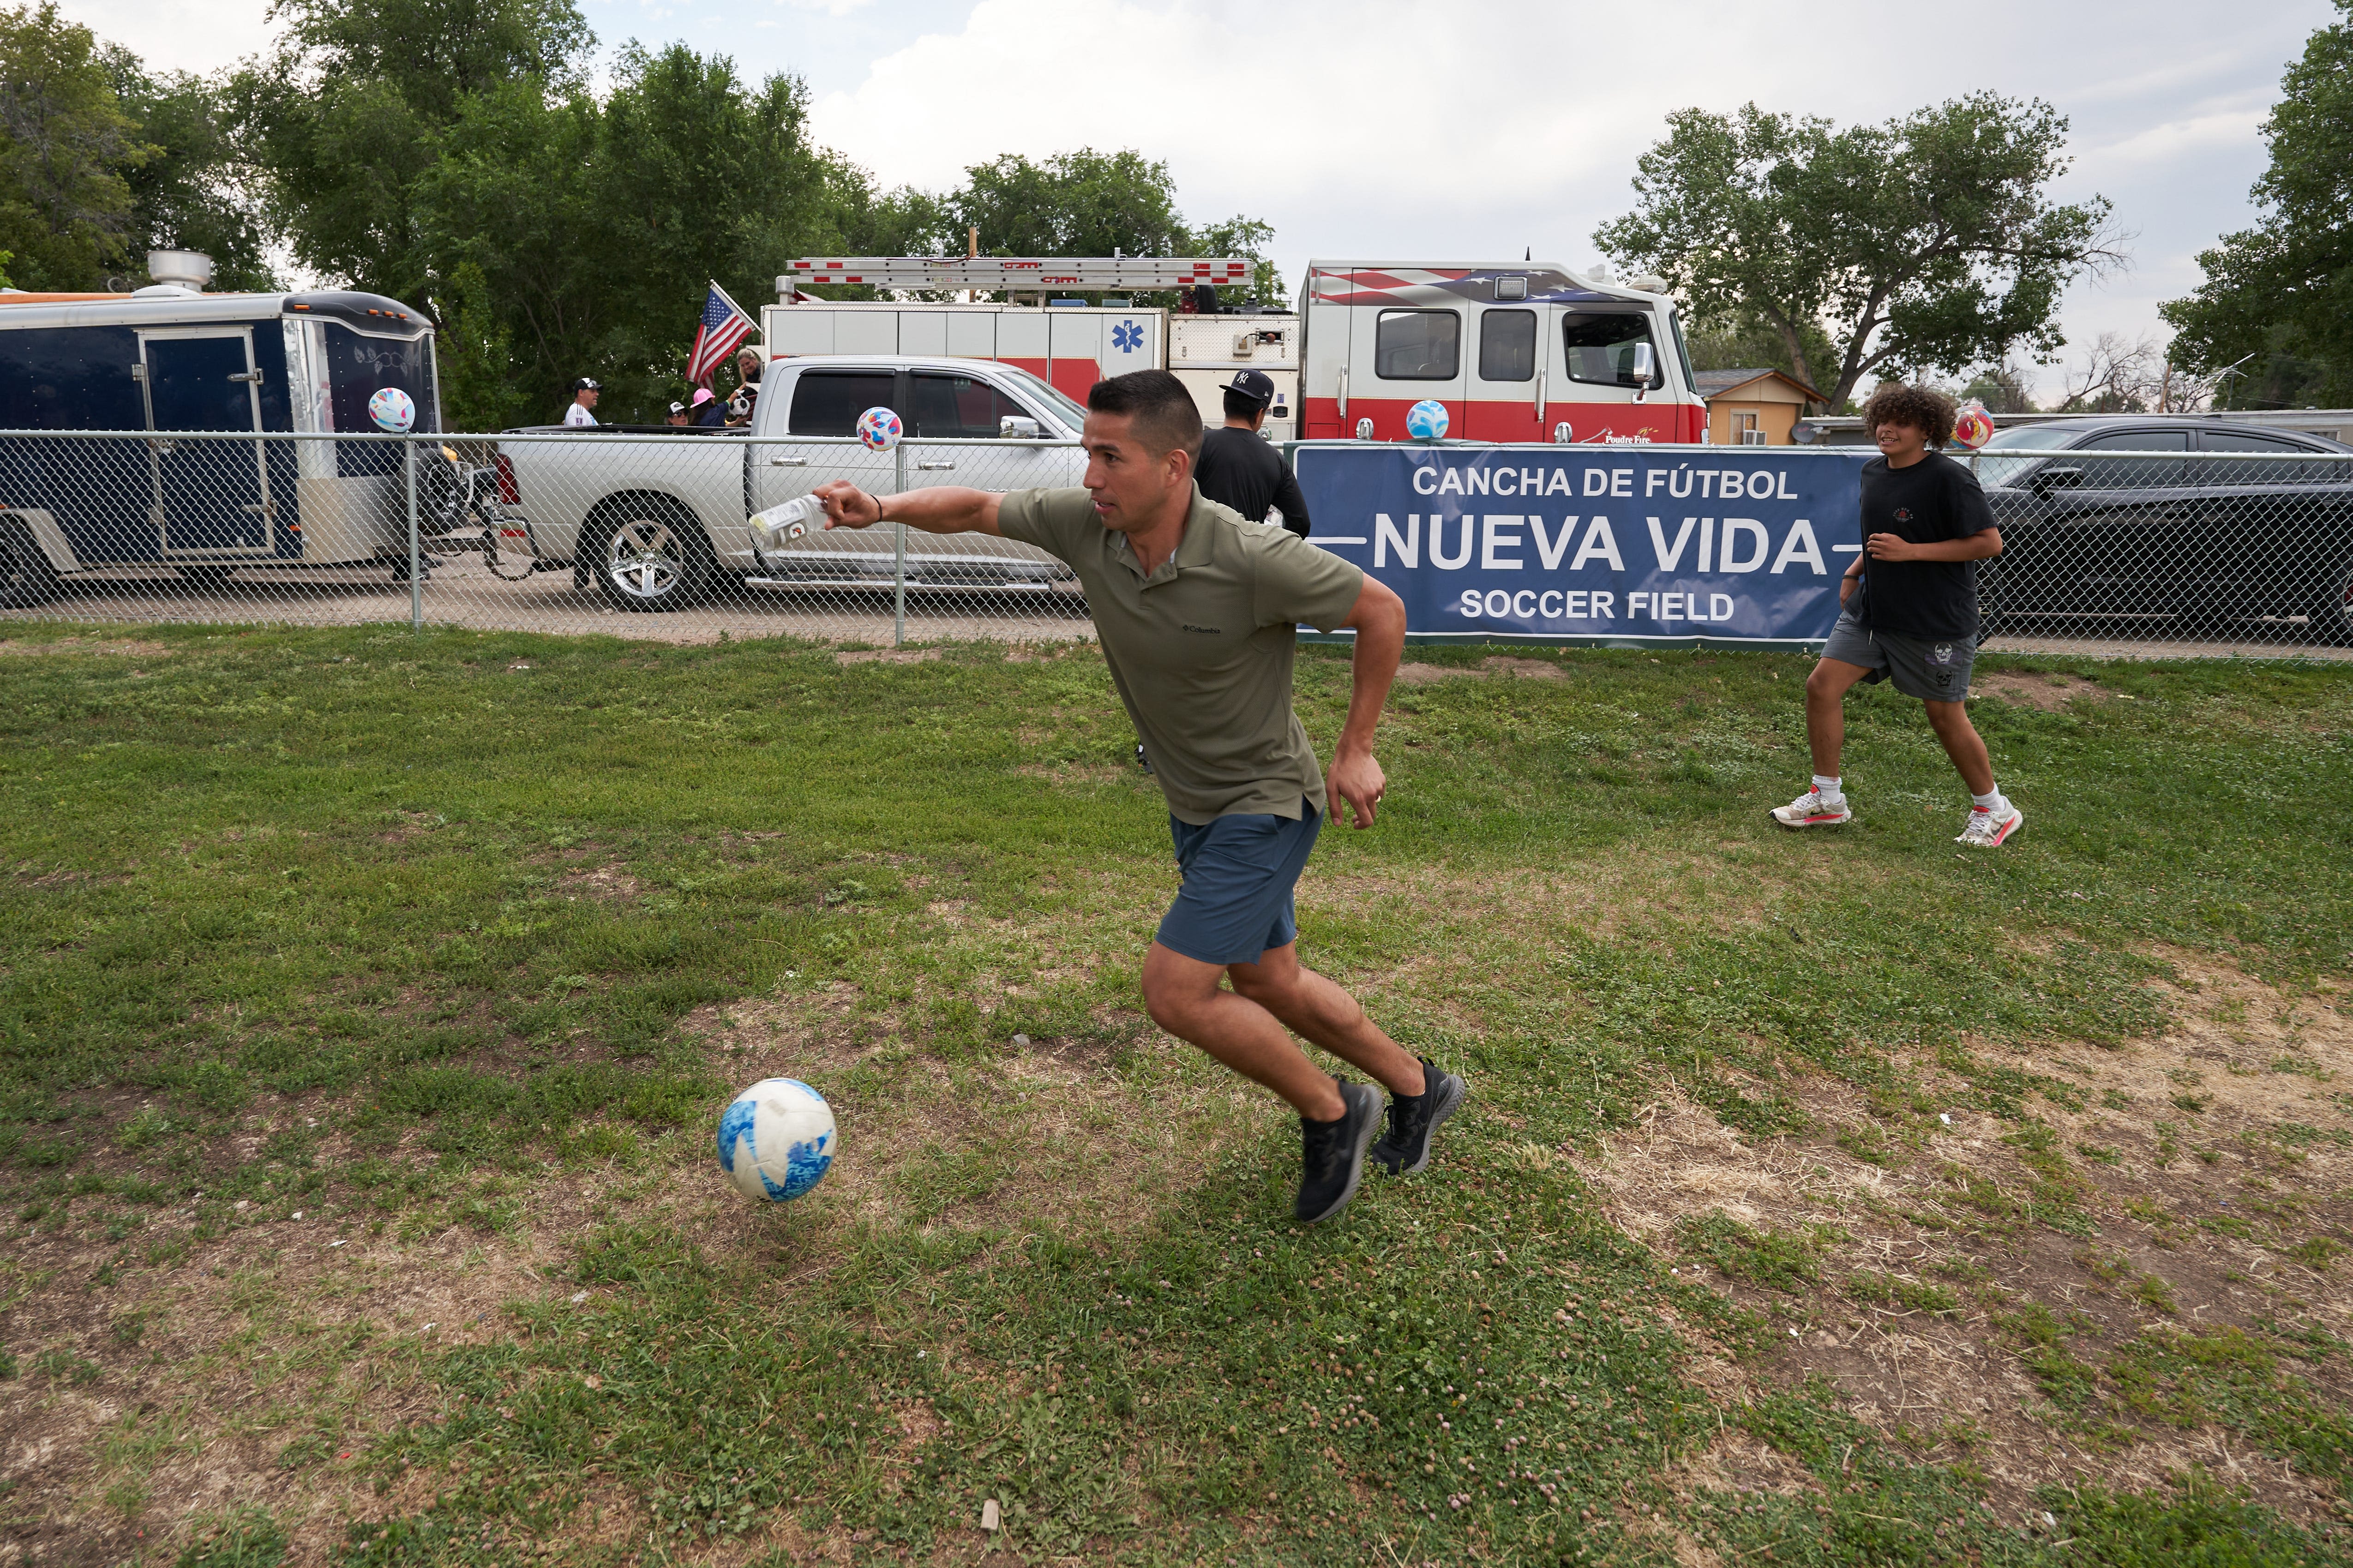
2214 1160
1523 669
2033 689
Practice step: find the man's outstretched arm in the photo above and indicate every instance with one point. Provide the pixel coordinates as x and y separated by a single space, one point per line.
1379 621
942 509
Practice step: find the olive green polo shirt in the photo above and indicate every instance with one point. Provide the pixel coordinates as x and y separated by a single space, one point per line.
1201 649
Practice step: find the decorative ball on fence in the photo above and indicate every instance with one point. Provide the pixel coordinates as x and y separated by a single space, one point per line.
776 1139
880 429
1974 427
1426 420
393 410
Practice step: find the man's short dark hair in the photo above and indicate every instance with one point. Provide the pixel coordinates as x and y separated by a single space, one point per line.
1164 414
1921 408
1242 406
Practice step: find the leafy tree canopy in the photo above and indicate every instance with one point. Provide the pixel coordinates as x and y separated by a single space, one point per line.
66 145
2279 296
1926 243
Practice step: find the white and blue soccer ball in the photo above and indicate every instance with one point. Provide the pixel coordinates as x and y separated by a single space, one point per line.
880 429
1426 420
393 410
776 1139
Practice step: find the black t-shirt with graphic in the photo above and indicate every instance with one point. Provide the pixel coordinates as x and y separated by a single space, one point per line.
1933 501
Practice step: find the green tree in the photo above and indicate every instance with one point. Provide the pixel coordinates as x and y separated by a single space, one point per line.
187 192
2279 296
1927 243
574 237
1080 204
1755 346
66 210
342 121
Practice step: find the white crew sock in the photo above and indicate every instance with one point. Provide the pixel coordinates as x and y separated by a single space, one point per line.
1829 786
1992 800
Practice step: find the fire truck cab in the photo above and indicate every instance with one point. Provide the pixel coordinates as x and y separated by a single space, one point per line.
1515 352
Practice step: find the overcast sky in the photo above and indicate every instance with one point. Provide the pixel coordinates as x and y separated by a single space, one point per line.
1468 133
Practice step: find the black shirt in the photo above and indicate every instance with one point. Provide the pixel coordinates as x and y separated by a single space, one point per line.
1933 501
1240 470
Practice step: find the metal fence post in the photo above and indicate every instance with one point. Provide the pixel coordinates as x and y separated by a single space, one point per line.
899 558
415 563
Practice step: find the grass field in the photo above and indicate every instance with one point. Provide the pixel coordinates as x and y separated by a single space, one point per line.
366 1002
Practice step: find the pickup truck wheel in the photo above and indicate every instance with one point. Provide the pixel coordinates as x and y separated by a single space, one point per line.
649 555
26 578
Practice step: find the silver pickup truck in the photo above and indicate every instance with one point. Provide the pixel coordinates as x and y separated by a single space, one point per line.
659 518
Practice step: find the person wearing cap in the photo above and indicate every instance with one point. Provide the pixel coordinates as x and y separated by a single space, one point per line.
708 410
584 399
1239 470
676 415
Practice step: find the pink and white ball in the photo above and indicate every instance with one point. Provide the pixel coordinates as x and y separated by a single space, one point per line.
880 429
393 410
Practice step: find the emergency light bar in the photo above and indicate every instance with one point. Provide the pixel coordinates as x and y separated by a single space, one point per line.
990 273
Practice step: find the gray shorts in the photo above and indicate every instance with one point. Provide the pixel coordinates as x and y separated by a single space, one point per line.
1932 670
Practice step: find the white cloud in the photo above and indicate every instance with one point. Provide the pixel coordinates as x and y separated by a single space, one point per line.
200 36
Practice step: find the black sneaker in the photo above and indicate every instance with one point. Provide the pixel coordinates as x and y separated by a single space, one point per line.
1411 1121
1141 760
1332 1153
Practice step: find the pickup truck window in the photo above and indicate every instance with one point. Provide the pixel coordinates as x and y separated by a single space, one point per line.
958 407
1073 414
829 402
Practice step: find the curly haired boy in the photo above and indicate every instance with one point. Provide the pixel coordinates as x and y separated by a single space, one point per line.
1908 610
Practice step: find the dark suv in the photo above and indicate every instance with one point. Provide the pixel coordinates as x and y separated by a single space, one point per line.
2217 527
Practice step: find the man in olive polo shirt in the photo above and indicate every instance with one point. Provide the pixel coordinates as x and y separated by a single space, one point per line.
1197 612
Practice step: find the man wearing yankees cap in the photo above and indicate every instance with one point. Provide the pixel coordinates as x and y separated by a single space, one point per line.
1237 469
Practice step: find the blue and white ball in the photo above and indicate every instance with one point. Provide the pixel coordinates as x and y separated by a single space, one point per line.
880 429
1426 420
393 410
776 1139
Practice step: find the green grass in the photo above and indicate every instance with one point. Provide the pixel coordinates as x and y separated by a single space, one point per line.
346 884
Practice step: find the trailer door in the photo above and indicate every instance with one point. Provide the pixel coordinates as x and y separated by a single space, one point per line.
211 498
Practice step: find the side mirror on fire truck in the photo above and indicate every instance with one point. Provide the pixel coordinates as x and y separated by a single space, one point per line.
1645 367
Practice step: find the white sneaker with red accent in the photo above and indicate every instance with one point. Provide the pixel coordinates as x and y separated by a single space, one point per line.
1813 809
1991 829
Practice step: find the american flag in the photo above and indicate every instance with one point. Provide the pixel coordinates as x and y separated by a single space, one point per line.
724 327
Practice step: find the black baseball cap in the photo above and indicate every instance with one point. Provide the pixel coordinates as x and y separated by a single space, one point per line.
1255 385
588 383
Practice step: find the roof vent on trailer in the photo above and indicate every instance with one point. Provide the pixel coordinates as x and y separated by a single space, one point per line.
176 272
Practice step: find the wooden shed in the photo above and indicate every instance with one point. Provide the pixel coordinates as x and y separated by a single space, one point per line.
1753 408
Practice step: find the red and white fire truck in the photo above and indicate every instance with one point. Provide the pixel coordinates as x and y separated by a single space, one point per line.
1514 350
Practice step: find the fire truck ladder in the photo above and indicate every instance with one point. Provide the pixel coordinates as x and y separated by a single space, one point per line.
992 274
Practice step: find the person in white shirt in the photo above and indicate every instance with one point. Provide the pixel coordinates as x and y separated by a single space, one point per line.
584 399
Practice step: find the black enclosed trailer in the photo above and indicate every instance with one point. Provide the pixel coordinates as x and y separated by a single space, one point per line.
211 368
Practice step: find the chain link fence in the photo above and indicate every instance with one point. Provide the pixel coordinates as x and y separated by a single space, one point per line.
2132 552
633 532
661 533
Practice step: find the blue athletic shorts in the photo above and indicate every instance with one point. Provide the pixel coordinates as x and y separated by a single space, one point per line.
1239 873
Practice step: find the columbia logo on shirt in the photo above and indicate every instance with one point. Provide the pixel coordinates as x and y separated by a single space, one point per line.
1213 631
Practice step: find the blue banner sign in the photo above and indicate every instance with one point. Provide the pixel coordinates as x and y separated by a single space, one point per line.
1594 543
